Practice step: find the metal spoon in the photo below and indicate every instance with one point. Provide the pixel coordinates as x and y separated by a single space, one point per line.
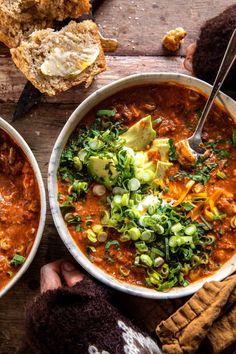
194 143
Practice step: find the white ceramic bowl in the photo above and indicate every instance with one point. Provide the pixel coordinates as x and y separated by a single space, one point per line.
98 96
17 138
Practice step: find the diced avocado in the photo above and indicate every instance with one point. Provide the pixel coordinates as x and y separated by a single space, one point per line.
103 170
161 170
146 174
144 169
163 146
140 134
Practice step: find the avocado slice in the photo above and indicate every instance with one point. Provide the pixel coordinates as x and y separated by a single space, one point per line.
161 170
163 146
103 170
140 134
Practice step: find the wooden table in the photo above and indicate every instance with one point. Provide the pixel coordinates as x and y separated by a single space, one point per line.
139 27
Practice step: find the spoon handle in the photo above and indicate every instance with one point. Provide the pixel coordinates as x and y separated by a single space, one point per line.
227 62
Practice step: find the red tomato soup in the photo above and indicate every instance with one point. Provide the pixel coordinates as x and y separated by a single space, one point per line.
20 208
134 203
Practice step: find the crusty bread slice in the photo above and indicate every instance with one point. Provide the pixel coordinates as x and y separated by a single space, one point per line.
56 61
20 10
34 10
12 32
61 9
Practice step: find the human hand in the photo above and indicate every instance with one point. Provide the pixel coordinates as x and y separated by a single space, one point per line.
53 275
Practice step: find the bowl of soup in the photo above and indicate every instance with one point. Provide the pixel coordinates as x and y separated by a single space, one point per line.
22 205
129 211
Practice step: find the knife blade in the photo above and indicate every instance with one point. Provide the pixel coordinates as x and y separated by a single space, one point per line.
30 95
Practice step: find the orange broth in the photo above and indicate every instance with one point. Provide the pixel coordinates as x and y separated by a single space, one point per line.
179 109
19 208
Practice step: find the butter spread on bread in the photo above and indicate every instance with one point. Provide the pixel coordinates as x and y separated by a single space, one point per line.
55 61
69 63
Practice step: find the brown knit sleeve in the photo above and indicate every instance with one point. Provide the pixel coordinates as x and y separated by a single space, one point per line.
81 320
188 326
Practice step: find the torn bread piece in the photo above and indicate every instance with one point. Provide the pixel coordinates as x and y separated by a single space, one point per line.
61 9
12 32
173 39
20 10
34 10
56 61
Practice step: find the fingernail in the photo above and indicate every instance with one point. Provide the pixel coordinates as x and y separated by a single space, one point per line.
68 267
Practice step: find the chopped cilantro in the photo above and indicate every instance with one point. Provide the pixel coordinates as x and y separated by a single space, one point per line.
110 243
234 137
17 260
187 206
172 152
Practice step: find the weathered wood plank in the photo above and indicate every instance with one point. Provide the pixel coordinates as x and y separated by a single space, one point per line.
140 25
12 81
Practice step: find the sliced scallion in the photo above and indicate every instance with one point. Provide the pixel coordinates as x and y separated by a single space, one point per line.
134 184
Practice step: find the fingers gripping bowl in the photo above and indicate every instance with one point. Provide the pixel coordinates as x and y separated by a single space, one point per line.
23 206
127 210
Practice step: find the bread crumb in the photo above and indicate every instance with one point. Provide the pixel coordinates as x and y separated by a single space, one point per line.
173 39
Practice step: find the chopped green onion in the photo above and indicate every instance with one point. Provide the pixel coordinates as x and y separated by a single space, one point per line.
176 228
96 144
208 225
97 228
219 216
167 249
106 112
77 163
233 222
125 238
234 137
158 262
117 200
125 199
134 233
176 241
82 155
145 259
110 243
209 239
17 260
159 229
105 218
133 184
221 175
91 236
141 246
165 270
124 271
118 190
157 121
190 230
187 206
102 236
195 261
146 235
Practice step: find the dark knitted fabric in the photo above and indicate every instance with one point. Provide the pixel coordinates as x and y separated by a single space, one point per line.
69 320
211 45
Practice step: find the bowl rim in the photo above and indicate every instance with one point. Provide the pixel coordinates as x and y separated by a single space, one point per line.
84 107
19 140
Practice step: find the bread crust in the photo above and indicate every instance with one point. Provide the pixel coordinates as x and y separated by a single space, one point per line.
12 32
53 85
28 11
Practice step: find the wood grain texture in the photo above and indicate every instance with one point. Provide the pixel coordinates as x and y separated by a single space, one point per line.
12 81
139 33
140 25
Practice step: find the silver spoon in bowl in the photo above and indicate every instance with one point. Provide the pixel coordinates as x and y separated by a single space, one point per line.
193 146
